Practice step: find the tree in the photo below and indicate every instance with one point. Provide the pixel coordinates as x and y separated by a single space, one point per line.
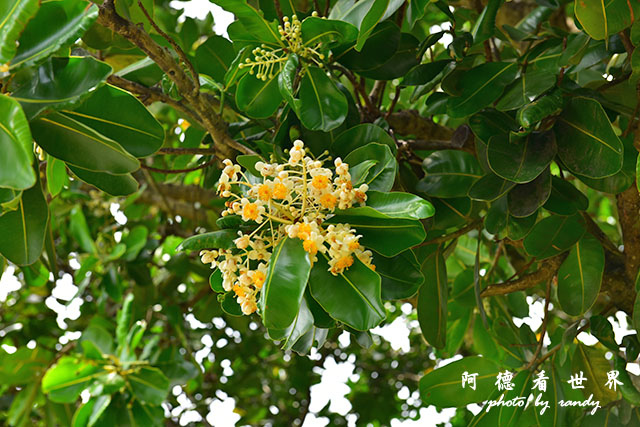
220 208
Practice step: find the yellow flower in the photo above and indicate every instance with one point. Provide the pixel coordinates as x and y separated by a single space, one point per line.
320 182
264 192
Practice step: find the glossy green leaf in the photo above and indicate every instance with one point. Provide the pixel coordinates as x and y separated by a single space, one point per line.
359 136
286 78
388 236
394 205
229 304
250 27
490 187
214 57
65 380
483 85
284 286
554 235
120 116
509 415
522 160
374 14
67 139
27 224
401 275
432 297
321 105
327 31
518 228
114 185
258 98
16 146
525 199
595 366
88 414
56 175
424 73
443 386
14 16
58 83
56 24
404 59
587 143
525 89
352 297
381 45
565 198
216 239
79 229
486 23
580 276
622 180
601 19
149 385
449 173
382 175
301 324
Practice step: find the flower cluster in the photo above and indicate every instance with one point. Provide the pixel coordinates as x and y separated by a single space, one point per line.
291 200
267 62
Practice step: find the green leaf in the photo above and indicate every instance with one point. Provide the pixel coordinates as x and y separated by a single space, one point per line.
114 185
595 367
214 57
13 19
381 175
65 380
351 297
120 116
622 180
486 23
321 105
212 240
302 323
258 98
57 24
22 405
600 19
149 385
388 236
490 187
56 175
554 235
565 198
359 136
374 15
424 73
404 58
22 366
525 89
27 224
250 27
483 85
229 304
522 160
286 280
327 31
16 145
88 414
401 275
587 143
449 173
67 139
525 199
432 297
381 45
286 79
509 415
443 386
393 205
580 276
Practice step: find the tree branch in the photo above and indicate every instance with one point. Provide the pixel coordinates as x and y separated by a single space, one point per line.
409 122
547 270
464 230
629 216
213 123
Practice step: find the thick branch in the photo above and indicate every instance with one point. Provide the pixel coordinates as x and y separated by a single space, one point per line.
409 122
546 271
212 122
462 139
629 217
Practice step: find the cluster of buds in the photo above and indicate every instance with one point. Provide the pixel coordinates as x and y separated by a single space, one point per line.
290 200
267 62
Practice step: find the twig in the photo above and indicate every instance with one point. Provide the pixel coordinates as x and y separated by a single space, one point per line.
276 3
546 271
178 151
170 171
543 331
176 47
394 101
464 230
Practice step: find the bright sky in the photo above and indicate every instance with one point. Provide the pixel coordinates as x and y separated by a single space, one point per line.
333 386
